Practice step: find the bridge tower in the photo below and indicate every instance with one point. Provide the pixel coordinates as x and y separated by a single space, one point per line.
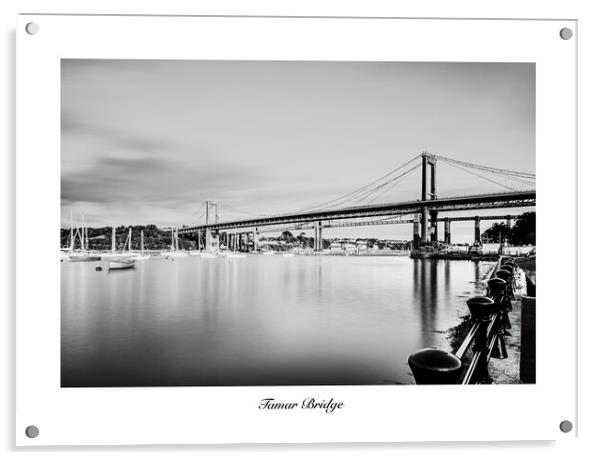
429 192
211 243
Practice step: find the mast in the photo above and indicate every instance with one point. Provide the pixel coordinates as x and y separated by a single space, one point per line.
71 241
113 240
177 247
141 241
130 240
81 234
85 233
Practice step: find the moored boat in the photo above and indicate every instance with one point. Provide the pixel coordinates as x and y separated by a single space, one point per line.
122 263
83 257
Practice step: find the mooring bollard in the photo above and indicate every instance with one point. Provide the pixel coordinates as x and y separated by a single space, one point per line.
435 367
499 294
497 288
512 269
527 340
482 310
503 274
509 279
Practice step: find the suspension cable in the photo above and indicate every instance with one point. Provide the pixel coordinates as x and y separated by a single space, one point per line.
393 183
359 191
506 172
482 177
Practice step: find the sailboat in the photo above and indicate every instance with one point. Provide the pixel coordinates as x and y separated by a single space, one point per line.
83 255
141 255
120 263
175 251
112 254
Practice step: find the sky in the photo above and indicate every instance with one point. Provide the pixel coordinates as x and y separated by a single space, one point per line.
147 142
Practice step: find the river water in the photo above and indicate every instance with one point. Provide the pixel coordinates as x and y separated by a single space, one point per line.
258 320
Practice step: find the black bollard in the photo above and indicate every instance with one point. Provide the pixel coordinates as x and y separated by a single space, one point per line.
509 279
503 274
482 310
497 286
435 367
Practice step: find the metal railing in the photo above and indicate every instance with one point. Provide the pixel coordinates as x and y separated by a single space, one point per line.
489 323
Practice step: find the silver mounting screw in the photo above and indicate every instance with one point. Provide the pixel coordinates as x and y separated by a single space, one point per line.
566 33
32 28
32 431
566 426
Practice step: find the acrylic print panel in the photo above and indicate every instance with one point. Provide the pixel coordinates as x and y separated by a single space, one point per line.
265 231
266 276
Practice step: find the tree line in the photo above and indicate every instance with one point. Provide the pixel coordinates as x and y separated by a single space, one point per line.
522 232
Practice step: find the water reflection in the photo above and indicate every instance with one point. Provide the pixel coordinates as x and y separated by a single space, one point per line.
258 320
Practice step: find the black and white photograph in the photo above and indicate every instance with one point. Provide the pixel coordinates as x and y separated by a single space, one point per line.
268 223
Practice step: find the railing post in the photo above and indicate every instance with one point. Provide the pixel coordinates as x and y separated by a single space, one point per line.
435 367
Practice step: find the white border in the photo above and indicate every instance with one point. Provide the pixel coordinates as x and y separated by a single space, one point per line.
228 415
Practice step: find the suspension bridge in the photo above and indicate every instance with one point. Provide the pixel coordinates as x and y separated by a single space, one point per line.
360 207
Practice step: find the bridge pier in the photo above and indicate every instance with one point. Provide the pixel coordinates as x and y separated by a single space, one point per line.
424 225
508 222
320 235
477 229
249 241
416 238
447 235
434 224
211 243
256 239
317 236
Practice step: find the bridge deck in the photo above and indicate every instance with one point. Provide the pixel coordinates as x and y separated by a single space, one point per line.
486 201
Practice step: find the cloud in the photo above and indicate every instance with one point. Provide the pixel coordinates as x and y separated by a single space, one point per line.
151 180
